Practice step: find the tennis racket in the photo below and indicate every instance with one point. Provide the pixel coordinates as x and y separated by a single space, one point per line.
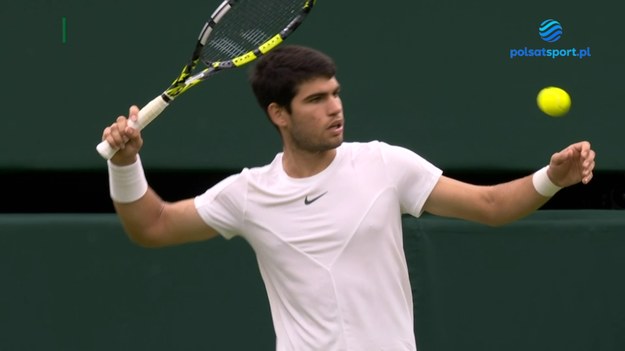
237 33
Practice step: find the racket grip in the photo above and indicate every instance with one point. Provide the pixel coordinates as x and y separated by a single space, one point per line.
146 115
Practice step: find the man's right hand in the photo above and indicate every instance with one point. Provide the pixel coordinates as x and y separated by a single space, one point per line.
127 139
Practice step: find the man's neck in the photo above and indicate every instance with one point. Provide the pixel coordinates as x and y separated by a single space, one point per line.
302 164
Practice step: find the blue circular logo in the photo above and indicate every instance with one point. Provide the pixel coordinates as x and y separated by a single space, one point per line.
550 30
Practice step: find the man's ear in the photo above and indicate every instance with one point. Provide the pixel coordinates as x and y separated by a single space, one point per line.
277 114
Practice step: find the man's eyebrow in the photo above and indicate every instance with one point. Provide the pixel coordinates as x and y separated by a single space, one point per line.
316 95
323 93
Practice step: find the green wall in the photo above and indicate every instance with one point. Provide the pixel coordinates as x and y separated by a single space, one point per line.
552 281
434 76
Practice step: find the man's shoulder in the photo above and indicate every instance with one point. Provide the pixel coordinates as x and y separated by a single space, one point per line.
365 147
361 145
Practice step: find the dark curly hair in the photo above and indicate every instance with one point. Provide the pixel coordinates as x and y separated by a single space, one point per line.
278 74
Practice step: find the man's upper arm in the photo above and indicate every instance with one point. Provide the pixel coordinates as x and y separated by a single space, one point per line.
181 223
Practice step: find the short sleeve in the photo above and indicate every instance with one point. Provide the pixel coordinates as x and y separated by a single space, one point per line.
413 176
222 206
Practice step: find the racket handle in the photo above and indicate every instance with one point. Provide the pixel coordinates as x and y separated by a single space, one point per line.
147 114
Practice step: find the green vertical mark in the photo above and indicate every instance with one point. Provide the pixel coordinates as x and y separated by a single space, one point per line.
64 30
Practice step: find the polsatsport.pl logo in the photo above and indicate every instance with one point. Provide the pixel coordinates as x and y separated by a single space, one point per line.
550 31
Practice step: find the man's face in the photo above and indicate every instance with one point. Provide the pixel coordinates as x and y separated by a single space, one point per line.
315 123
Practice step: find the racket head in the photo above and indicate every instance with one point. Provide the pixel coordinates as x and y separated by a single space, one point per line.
245 27
237 33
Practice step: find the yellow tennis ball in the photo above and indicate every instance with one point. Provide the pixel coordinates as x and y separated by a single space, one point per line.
554 101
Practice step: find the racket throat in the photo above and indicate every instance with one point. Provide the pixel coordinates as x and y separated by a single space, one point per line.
214 68
193 80
166 98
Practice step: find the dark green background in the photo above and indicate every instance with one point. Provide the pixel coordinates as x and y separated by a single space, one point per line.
553 281
434 76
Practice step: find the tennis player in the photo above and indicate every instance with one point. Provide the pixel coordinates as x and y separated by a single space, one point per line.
324 217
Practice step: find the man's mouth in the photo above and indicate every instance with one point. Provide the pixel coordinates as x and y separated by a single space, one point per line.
338 125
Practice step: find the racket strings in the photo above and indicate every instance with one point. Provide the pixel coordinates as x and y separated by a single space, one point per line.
247 25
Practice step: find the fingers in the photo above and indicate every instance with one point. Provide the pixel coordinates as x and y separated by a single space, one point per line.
122 136
586 160
133 113
573 164
115 134
588 165
582 148
587 178
122 131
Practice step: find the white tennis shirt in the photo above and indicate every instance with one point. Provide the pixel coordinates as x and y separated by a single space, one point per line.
329 247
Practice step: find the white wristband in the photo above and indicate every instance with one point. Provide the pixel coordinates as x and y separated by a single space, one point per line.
543 185
127 183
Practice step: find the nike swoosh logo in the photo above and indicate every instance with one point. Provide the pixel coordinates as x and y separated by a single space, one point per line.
308 201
